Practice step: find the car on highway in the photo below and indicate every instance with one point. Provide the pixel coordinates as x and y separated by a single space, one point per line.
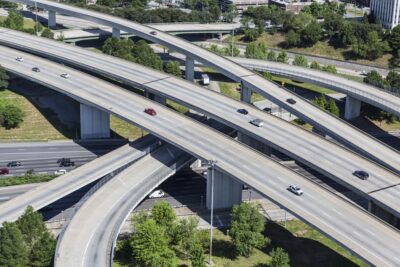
14 164
257 122
295 190
204 173
20 59
65 75
150 111
363 175
243 111
4 171
156 194
35 69
60 172
291 101
153 33
65 162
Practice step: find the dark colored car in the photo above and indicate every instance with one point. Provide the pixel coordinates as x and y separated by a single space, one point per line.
14 164
153 33
150 111
291 101
243 111
4 171
361 174
65 162
36 69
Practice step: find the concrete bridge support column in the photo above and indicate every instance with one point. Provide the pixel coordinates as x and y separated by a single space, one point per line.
251 142
51 21
245 93
352 109
189 68
116 33
160 99
95 123
227 191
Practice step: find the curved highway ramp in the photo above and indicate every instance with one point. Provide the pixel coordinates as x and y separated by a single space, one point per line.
91 235
328 158
339 219
49 192
250 81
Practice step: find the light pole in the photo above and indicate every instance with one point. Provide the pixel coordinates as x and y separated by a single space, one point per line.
211 163
36 21
233 38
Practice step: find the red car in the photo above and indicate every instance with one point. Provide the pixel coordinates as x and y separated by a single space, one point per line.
4 171
150 111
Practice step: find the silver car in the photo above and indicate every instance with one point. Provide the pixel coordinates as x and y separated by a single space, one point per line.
257 122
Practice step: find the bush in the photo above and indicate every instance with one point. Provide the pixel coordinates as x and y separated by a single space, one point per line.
301 61
330 69
12 116
315 65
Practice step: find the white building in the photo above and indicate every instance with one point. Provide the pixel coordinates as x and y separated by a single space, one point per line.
388 11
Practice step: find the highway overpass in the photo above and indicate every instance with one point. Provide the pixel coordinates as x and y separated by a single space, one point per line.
326 157
250 81
344 222
91 235
355 91
53 190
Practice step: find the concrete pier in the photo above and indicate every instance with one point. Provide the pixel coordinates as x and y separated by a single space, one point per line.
95 123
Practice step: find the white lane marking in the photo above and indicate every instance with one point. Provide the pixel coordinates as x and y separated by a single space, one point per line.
370 232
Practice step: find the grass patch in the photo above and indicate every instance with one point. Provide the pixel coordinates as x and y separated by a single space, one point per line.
351 77
123 129
35 125
26 179
301 85
230 90
177 107
308 247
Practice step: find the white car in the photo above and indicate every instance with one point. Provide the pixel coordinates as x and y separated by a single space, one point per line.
65 75
257 122
204 173
295 189
157 194
60 172
20 59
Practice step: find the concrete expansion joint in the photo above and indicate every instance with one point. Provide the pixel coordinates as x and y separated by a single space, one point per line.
157 80
248 75
384 188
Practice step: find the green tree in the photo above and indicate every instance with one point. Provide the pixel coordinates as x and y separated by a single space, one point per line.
321 101
143 54
254 50
311 34
3 78
12 116
315 65
231 50
393 79
282 57
39 241
13 252
271 56
163 214
150 246
197 255
279 258
47 33
251 34
371 47
300 60
182 232
333 108
173 67
330 69
394 38
268 75
14 20
374 78
293 39
247 226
